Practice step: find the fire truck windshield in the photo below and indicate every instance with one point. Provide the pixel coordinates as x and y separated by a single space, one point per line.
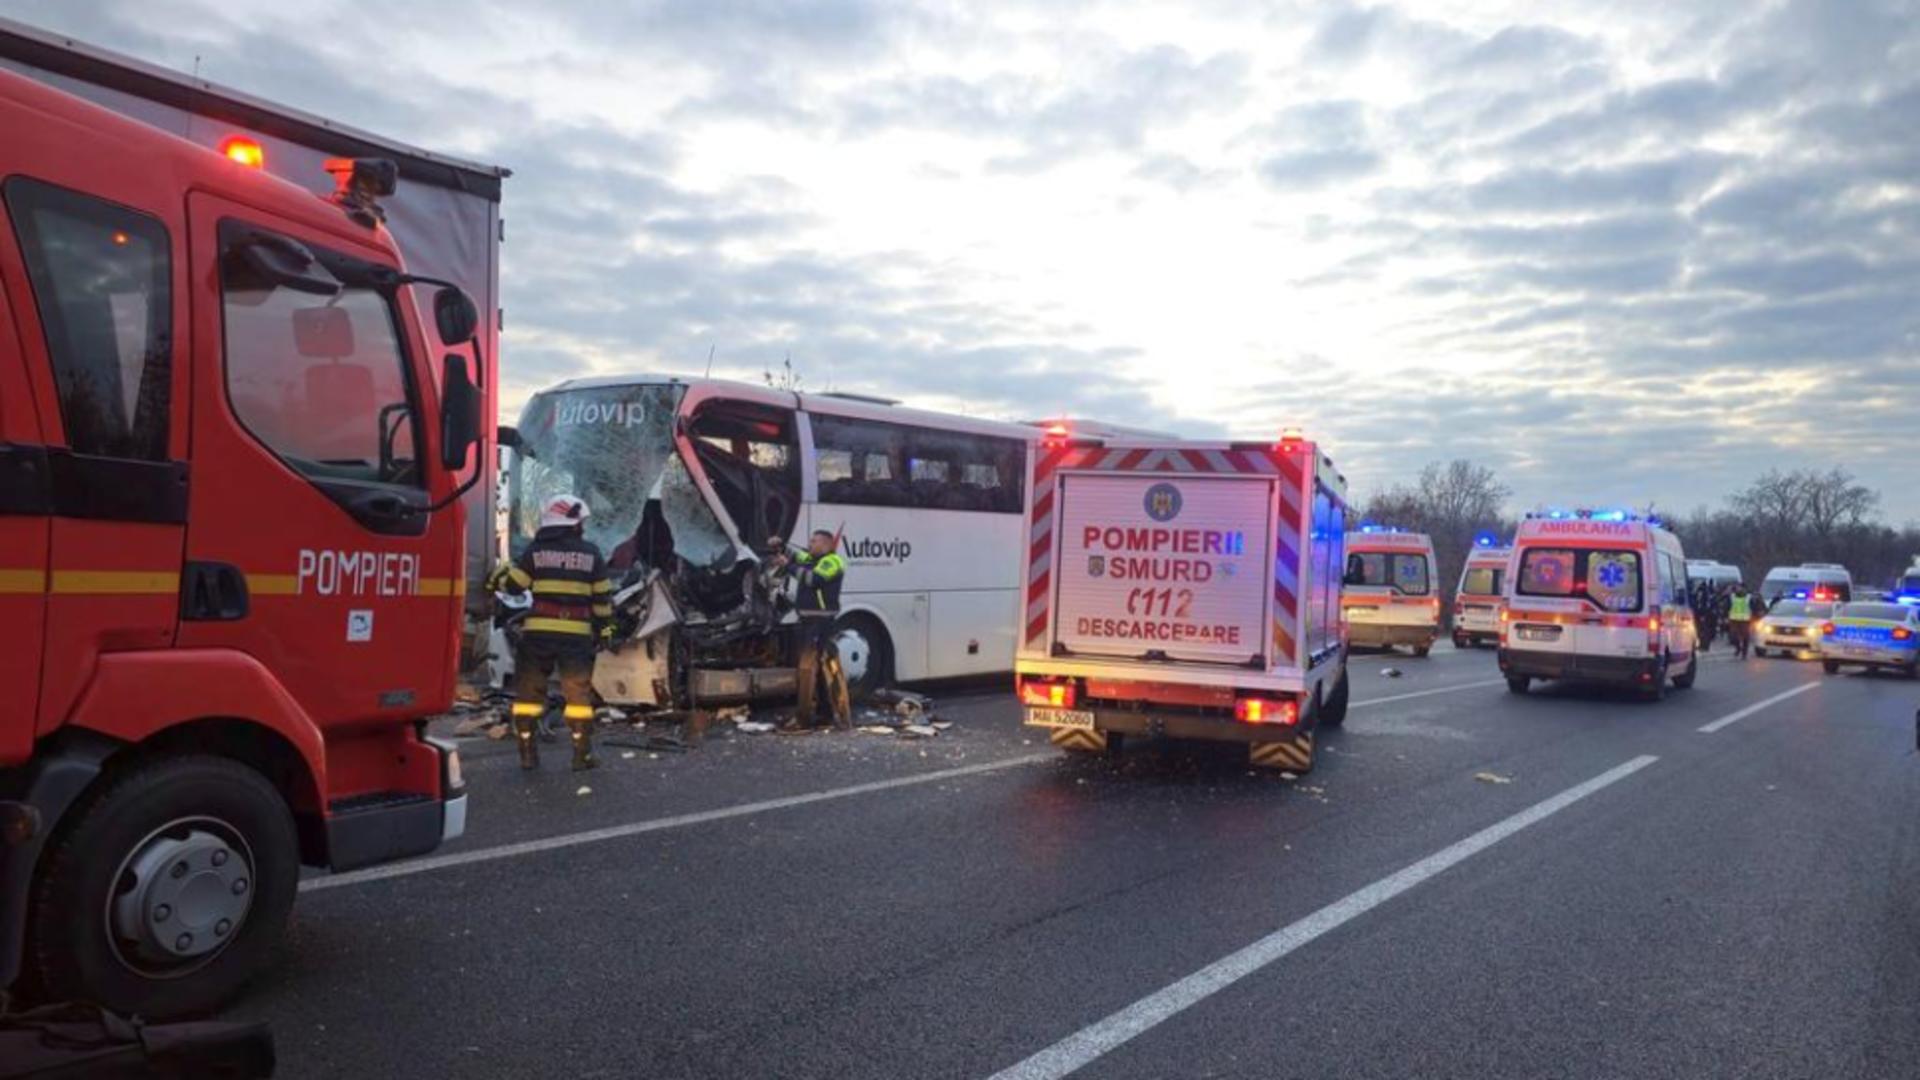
613 447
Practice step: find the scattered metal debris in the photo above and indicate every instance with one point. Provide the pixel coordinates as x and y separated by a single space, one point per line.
1492 778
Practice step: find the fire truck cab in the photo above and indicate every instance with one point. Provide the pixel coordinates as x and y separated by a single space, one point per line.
1183 590
230 551
1391 597
1598 596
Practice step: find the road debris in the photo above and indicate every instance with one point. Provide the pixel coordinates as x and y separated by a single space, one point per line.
583 790
875 729
1390 672
752 727
1492 778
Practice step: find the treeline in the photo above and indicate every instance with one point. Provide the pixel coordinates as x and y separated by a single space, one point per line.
1782 518
1802 515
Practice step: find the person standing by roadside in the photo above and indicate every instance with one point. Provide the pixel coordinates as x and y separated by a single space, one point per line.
1740 615
572 615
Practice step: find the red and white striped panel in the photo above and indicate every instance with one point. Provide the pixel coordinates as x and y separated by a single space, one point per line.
1289 466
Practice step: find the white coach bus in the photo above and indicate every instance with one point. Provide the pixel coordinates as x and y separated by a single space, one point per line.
698 474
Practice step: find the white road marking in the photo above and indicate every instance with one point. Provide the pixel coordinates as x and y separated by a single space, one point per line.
1730 718
1092 1042
1427 693
637 828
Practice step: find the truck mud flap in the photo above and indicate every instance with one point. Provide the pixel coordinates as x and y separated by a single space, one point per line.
1293 755
1079 739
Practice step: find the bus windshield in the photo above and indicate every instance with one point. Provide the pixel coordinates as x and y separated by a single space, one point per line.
614 448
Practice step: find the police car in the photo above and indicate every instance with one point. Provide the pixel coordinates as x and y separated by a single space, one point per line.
1873 636
1598 596
1792 628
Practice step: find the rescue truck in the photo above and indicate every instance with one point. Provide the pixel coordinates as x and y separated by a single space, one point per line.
232 459
1598 596
1390 597
444 215
1186 590
1477 603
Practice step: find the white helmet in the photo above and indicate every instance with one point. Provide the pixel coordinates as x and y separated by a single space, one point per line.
563 510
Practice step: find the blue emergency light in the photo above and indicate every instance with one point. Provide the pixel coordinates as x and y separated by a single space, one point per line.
1486 540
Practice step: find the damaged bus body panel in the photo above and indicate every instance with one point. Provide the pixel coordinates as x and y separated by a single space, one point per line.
690 480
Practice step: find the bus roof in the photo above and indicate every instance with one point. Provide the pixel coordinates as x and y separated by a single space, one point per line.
825 403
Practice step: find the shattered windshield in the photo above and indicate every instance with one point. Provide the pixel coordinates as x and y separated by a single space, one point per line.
611 446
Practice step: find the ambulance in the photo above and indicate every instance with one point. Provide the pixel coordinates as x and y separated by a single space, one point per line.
1185 590
1477 602
1597 596
1390 597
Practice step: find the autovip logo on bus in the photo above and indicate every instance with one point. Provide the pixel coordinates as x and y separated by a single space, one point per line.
868 549
582 413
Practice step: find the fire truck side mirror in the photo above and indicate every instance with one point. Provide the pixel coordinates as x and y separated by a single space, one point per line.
508 436
455 316
459 413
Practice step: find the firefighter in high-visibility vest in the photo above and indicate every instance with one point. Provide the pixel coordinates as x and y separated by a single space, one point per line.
819 573
571 617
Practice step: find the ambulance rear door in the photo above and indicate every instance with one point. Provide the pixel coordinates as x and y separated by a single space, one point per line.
1595 592
1158 567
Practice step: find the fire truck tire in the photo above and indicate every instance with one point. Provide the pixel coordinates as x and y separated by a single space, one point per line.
167 890
865 653
1333 711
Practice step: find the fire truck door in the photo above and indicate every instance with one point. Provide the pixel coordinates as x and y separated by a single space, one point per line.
96 290
23 547
311 553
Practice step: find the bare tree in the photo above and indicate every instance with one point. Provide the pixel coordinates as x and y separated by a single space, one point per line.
1451 502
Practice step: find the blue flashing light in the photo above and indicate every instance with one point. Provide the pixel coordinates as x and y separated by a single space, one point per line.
1486 540
1907 598
1801 595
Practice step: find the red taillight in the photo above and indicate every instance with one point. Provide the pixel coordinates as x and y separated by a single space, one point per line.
243 150
1253 710
1826 629
1901 633
1048 693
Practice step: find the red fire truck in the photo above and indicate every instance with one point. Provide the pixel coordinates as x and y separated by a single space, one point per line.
1185 590
232 454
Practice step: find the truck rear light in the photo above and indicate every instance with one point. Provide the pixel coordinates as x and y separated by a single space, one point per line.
1048 693
245 151
1253 710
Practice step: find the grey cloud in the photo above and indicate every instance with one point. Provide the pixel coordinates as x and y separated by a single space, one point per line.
1318 143
1047 121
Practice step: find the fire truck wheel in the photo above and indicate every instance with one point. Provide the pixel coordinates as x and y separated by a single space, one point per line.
167 891
1333 710
865 654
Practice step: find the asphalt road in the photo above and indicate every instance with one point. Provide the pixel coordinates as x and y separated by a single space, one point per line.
1471 884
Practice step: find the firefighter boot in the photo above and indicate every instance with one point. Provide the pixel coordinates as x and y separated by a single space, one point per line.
529 749
582 732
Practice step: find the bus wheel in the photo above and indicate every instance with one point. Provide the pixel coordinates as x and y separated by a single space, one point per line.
167 891
865 654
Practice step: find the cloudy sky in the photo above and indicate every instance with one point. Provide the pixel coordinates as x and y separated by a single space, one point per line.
1620 251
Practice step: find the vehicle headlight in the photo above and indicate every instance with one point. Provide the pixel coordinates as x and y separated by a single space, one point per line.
1766 627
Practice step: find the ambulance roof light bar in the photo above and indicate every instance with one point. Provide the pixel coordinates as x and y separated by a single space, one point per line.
1373 527
1486 540
1556 513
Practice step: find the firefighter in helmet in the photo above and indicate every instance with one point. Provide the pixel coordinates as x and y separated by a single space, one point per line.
571 617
